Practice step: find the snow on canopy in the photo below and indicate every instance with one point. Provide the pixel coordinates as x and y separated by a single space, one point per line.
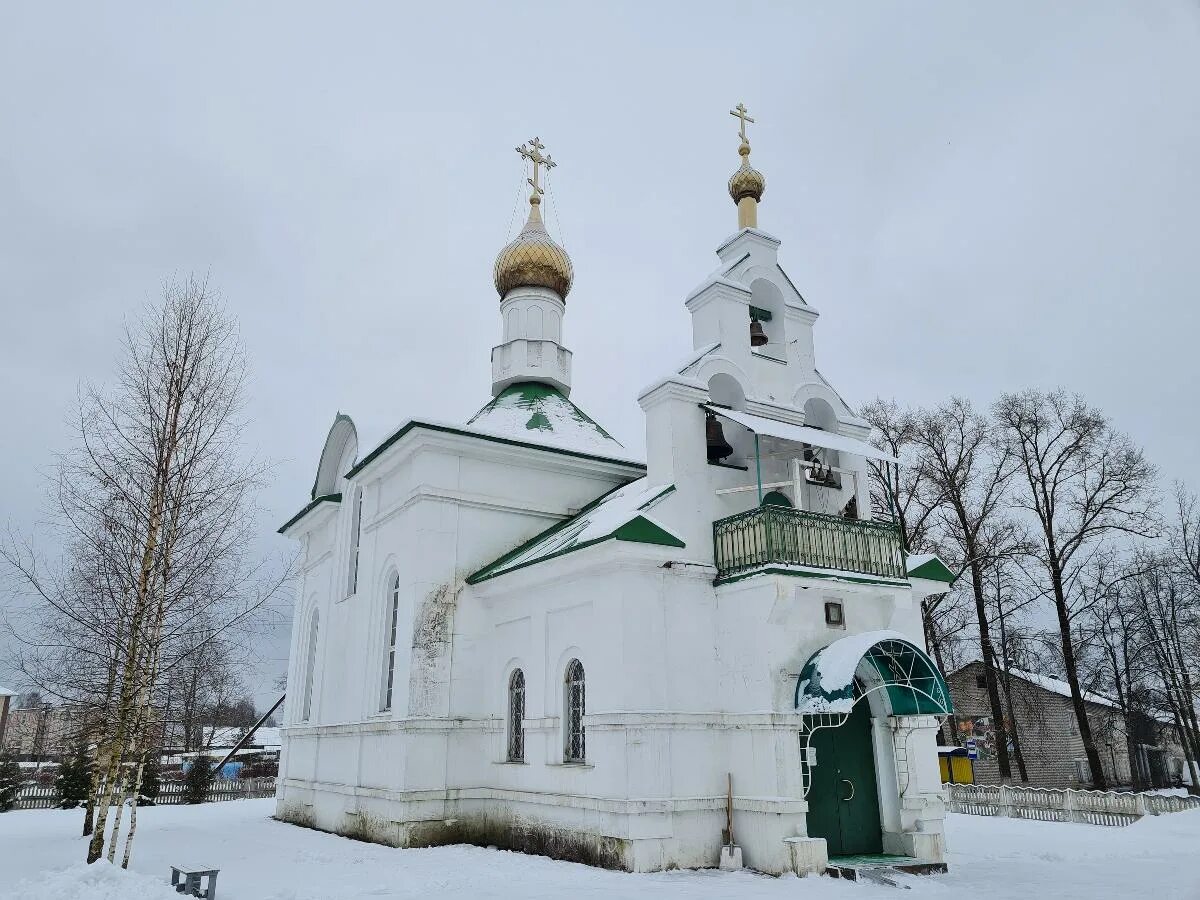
539 414
913 683
622 514
830 672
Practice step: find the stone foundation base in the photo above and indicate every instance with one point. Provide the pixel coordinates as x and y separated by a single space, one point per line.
809 856
667 835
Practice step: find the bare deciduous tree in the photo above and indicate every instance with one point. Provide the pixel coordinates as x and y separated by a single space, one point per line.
155 503
969 472
1083 483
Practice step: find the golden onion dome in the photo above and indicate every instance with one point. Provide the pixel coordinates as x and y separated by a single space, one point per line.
532 259
747 181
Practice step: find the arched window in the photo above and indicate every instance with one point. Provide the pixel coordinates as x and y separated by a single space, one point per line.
574 748
389 655
355 530
310 667
516 716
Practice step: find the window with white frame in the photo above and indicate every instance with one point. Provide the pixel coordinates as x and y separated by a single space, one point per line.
355 530
574 744
516 716
310 666
389 651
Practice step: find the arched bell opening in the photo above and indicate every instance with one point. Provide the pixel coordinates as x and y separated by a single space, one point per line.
766 331
725 441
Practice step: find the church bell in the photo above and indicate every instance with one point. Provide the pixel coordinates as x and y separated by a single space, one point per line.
718 447
758 337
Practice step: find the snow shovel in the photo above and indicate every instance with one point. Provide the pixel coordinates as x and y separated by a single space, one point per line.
731 853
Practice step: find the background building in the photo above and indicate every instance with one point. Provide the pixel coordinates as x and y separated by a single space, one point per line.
1048 733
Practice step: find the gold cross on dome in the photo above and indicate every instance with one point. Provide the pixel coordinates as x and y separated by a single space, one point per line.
533 153
739 112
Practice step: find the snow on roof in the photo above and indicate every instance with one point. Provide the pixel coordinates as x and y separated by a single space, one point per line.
5 692
929 566
539 414
226 736
696 356
1056 686
801 434
1049 683
609 517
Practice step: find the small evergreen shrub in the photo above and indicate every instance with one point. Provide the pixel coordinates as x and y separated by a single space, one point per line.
11 781
151 779
74 781
198 780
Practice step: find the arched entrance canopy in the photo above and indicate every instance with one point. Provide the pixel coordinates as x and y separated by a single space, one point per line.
883 660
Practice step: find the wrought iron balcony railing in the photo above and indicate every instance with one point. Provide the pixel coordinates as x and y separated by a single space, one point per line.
777 535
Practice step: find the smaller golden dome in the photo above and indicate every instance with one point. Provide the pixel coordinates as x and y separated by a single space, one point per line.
532 259
746 181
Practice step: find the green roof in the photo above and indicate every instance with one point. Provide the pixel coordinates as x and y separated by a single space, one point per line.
621 514
928 566
317 501
532 411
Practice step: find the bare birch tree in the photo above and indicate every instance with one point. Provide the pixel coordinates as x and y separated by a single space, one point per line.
156 502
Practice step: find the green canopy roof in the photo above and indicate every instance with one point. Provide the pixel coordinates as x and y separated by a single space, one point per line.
836 676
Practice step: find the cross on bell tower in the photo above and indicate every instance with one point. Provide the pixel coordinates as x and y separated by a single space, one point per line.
747 184
739 112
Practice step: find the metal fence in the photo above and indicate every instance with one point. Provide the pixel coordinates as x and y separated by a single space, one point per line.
37 796
1061 804
782 536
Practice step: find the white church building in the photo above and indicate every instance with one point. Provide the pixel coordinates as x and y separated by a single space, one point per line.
510 631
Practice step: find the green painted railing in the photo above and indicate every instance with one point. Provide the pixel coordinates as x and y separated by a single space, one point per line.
777 535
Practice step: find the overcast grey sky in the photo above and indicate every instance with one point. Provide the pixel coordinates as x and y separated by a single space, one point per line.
977 197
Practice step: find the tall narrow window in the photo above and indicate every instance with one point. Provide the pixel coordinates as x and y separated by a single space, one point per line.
389 660
516 716
574 749
310 667
355 530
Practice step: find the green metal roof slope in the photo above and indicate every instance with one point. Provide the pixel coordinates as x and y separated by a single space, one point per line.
928 565
621 515
317 501
536 412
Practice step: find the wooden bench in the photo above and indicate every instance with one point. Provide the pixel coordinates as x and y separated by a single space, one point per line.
187 880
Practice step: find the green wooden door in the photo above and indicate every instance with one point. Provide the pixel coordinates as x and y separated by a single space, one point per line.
843 800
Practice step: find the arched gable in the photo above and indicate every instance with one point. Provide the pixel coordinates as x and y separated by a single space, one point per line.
817 390
716 364
337 457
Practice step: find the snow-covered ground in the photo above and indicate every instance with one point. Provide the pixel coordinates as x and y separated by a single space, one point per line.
261 859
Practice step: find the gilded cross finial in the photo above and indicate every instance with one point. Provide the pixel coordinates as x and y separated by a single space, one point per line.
532 151
747 184
739 112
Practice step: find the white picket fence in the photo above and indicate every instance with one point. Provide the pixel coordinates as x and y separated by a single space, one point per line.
37 796
1061 804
